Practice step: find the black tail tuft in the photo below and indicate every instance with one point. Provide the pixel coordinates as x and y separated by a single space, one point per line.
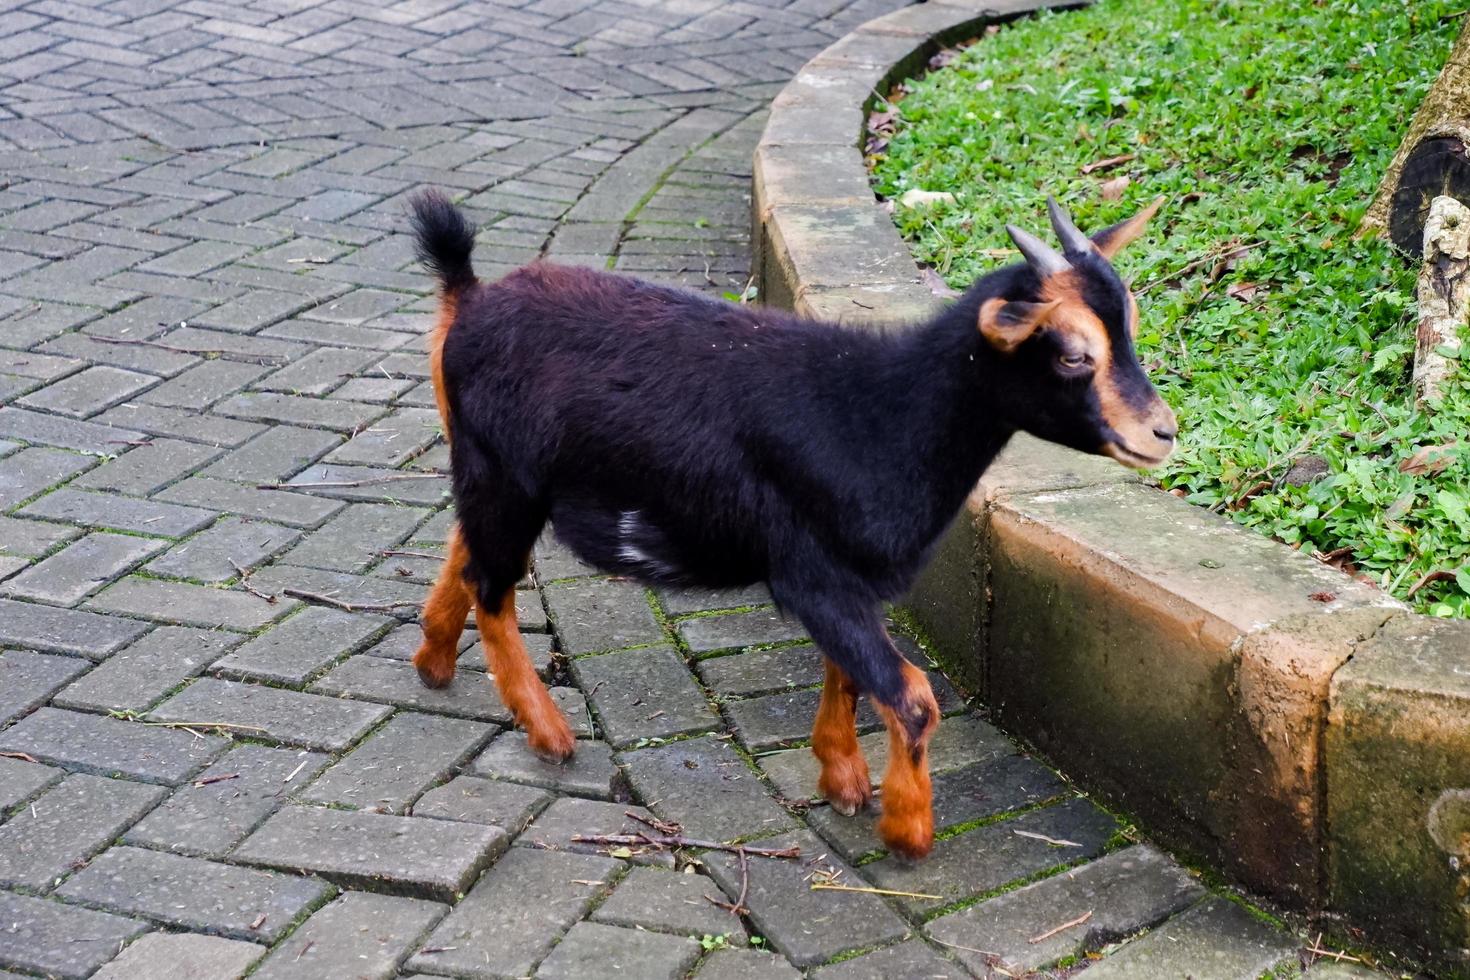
445 239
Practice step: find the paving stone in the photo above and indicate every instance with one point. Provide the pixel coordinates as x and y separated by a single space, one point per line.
307 720
665 901
391 440
394 765
318 372
276 454
960 796
88 392
317 413
372 483
762 671
426 858
81 568
20 780
706 634
472 694
1217 939
359 935
25 624
213 554
681 602
182 956
354 539
997 854
209 816
646 693
53 430
907 959
108 746
600 614
67 825
27 679
30 471
134 678
809 927
515 913
703 784
778 720
122 513
958 741
489 801
570 817
148 468
280 506
554 560
361 590
1126 891
593 949
203 384
590 772
59 940
181 423
193 893
746 964
31 539
193 605
293 650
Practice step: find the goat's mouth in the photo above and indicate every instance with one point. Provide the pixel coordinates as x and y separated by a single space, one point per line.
1131 458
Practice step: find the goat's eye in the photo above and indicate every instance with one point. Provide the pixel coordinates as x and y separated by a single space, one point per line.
1074 361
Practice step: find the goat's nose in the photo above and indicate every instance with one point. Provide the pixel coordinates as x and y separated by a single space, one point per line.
1167 435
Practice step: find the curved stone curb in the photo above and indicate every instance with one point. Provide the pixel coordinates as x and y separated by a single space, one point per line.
1292 726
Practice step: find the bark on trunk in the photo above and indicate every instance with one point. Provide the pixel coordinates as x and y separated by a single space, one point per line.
1444 293
1432 161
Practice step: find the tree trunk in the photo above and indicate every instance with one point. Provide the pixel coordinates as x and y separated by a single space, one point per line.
1444 293
1432 161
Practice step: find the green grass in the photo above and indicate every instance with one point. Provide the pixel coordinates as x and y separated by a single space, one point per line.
1264 123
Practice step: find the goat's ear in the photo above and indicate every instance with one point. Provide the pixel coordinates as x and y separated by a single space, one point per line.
1006 325
1110 241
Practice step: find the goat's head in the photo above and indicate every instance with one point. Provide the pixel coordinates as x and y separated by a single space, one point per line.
1068 343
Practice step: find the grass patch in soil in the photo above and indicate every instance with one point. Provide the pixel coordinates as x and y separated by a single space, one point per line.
1275 335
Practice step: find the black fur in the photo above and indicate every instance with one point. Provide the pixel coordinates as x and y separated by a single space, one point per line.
444 239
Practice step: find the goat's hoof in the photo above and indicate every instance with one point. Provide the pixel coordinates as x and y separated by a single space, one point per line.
433 671
908 838
556 748
846 786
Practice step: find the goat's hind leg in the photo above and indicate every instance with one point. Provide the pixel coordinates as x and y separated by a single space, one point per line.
499 530
443 616
844 782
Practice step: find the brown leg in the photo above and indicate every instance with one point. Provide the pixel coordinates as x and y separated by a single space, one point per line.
907 825
549 734
444 616
844 781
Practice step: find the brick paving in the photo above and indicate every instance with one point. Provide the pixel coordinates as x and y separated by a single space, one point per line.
213 392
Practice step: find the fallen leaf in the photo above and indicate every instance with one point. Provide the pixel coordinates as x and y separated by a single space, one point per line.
1104 164
1243 291
1430 460
920 198
937 285
1112 190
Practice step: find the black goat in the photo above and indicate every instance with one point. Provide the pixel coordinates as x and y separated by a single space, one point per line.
681 440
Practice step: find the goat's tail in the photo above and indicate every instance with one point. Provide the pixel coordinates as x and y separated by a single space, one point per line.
445 239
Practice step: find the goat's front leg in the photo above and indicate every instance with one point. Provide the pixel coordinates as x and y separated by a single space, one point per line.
844 782
911 714
444 615
853 637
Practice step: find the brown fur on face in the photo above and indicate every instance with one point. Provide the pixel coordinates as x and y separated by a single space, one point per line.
1085 333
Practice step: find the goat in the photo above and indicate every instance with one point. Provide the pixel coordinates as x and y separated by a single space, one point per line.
680 440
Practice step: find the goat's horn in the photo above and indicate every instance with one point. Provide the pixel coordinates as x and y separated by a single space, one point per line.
1073 241
1044 260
